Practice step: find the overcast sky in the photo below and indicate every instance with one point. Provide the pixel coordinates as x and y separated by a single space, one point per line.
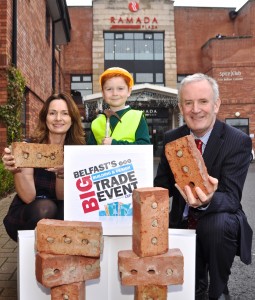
208 3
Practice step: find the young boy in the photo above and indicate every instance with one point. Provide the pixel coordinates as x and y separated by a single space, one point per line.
131 127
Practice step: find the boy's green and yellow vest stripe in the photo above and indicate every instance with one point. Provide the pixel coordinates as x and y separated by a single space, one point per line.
124 130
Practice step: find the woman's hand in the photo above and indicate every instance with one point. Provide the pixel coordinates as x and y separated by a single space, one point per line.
58 170
9 161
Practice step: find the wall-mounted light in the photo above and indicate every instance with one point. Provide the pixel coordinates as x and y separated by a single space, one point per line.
58 48
237 114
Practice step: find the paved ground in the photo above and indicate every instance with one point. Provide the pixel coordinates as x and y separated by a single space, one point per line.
241 284
8 258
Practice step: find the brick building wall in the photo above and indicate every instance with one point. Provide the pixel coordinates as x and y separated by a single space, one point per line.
34 58
5 57
194 26
191 46
34 50
230 60
78 53
245 21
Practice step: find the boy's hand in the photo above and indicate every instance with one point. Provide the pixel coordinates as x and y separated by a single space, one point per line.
107 141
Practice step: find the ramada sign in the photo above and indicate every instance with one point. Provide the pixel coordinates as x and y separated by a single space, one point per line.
133 23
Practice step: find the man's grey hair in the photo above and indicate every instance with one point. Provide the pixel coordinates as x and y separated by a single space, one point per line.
199 77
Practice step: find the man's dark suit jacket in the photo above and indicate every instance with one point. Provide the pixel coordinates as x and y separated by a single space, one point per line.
227 158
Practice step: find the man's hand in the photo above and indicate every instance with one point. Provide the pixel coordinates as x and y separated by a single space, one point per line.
202 199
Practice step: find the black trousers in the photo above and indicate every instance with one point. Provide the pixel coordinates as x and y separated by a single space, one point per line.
216 247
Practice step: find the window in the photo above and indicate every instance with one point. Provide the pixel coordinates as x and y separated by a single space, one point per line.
81 85
138 46
239 123
144 77
141 53
180 77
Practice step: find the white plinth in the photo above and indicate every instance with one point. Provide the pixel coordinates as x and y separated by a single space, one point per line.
108 286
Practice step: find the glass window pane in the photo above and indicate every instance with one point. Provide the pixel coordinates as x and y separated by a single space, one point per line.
76 78
124 50
109 50
144 77
86 78
148 36
237 122
86 92
81 87
159 77
158 50
180 77
108 36
144 50
118 36
138 36
77 86
88 85
158 36
128 36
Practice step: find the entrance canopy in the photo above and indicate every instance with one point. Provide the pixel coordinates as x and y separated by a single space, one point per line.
143 96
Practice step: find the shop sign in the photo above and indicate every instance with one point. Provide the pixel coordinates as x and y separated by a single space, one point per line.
133 6
156 112
232 75
134 23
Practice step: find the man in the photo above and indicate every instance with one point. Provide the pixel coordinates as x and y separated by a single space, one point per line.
222 229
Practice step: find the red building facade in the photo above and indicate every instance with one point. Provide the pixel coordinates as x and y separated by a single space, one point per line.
52 56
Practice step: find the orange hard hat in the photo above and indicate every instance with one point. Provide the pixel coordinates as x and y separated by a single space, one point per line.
117 71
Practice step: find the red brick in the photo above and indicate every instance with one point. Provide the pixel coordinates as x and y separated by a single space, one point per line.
187 164
164 269
157 292
73 291
150 221
54 270
34 155
69 237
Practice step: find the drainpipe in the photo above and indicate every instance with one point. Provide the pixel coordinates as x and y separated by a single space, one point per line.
14 33
59 75
53 81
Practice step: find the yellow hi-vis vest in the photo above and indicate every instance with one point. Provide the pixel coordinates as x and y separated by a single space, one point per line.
124 130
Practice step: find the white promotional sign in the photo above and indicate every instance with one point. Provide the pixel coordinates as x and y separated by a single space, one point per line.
99 181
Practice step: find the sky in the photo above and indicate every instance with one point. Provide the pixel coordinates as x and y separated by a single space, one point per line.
207 3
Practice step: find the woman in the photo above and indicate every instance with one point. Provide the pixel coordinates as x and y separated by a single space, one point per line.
40 192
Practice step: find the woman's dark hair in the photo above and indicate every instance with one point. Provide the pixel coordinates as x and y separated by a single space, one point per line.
74 136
